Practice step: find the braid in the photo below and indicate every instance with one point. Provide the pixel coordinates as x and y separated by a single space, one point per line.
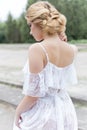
47 16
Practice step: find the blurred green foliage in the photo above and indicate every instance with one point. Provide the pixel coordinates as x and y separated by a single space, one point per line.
17 30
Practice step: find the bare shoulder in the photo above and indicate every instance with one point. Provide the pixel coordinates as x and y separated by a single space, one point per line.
33 47
34 50
74 47
35 58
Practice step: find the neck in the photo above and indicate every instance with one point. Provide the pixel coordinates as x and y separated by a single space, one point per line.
53 37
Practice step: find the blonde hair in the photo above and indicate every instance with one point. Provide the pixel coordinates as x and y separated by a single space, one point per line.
47 17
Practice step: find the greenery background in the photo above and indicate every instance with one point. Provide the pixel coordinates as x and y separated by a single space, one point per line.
17 31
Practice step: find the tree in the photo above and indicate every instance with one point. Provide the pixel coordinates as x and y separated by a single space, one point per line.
9 25
2 32
76 13
24 30
13 31
17 30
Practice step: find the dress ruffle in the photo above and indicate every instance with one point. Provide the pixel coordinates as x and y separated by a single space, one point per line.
49 80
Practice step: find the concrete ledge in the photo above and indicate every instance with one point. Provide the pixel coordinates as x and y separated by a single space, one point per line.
6 103
11 84
16 85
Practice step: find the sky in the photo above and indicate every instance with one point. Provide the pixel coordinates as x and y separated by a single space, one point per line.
15 7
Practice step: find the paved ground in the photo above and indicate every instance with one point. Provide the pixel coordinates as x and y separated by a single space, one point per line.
12 60
6 116
82 116
12 97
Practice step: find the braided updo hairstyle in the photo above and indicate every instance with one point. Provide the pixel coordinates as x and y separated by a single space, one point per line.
47 17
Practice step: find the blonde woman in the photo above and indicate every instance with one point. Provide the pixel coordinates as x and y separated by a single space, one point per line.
48 71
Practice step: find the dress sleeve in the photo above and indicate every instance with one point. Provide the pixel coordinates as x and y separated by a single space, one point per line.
31 86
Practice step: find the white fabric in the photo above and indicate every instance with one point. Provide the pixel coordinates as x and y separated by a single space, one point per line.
54 109
50 77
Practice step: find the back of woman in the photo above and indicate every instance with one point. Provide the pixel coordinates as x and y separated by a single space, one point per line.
60 53
48 71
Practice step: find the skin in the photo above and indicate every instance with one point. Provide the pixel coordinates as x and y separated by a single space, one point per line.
60 54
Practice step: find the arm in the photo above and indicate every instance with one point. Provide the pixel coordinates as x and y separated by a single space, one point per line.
63 36
35 65
26 104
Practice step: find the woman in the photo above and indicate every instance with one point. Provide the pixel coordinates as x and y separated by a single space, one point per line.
49 69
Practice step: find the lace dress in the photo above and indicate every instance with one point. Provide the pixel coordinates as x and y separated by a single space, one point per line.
54 109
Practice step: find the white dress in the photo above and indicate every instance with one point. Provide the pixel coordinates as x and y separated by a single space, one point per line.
54 109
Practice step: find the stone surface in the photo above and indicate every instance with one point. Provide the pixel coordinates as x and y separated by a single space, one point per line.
12 59
7 113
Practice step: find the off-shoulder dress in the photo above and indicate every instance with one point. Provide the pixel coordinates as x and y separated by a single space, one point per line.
54 109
